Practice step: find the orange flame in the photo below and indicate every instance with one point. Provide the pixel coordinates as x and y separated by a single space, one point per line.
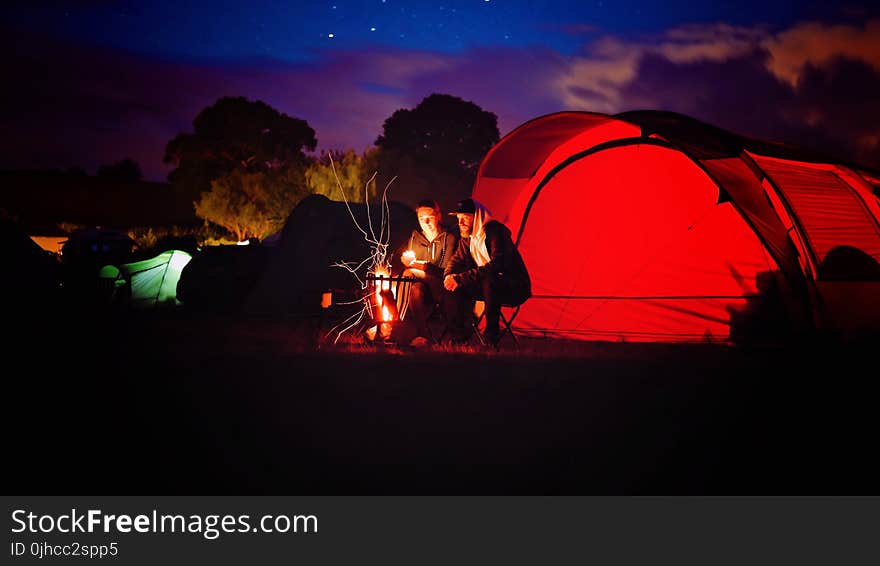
380 296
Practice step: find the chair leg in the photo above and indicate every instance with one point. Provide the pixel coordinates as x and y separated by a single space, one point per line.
507 330
437 313
508 327
475 327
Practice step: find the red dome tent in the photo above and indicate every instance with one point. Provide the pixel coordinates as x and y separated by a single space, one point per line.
654 226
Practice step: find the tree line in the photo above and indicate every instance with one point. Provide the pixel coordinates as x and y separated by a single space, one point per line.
245 163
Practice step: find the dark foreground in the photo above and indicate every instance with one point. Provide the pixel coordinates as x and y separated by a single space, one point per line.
171 404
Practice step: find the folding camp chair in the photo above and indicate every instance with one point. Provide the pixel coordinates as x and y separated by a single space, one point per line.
506 323
437 324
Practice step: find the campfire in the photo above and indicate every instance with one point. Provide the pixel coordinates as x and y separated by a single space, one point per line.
384 295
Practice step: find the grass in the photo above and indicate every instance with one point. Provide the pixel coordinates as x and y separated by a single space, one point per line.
179 403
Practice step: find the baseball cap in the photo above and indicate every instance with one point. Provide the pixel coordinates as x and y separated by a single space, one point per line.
465 206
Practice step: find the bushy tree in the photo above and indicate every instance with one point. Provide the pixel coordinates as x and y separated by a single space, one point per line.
237 133
252 204
242 165
435 149
348 169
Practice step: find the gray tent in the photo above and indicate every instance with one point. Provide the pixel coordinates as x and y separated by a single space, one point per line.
318 233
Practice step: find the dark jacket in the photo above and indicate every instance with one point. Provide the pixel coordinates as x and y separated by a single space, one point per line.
436 253
505 263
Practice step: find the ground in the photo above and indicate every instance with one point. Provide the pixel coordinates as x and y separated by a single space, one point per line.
198 404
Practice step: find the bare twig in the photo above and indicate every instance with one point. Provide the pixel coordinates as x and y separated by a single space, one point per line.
376 262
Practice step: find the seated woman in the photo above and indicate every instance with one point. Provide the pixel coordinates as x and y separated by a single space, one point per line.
424 256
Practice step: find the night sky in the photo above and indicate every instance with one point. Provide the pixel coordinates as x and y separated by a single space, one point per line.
91 82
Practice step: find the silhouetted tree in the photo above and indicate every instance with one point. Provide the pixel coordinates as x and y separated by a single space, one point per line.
436 148
237 134
125 171
243 165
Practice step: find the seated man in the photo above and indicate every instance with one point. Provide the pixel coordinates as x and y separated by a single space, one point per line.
424 256
485 265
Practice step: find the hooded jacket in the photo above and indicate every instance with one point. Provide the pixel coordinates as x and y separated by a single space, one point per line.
505 262
436 253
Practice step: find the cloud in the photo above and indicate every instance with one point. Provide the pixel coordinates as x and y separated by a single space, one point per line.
818 45
594 82
607 66
811 85
714 42
840 98
68 104
739 95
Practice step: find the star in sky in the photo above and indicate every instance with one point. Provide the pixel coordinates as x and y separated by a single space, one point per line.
346 65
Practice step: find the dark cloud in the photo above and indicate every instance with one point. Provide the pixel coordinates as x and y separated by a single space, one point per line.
842 99
66 104
585 93
832 109
738 94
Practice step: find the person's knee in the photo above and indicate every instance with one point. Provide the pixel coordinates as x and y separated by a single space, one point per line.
420 293
486 282
493 294
447 298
